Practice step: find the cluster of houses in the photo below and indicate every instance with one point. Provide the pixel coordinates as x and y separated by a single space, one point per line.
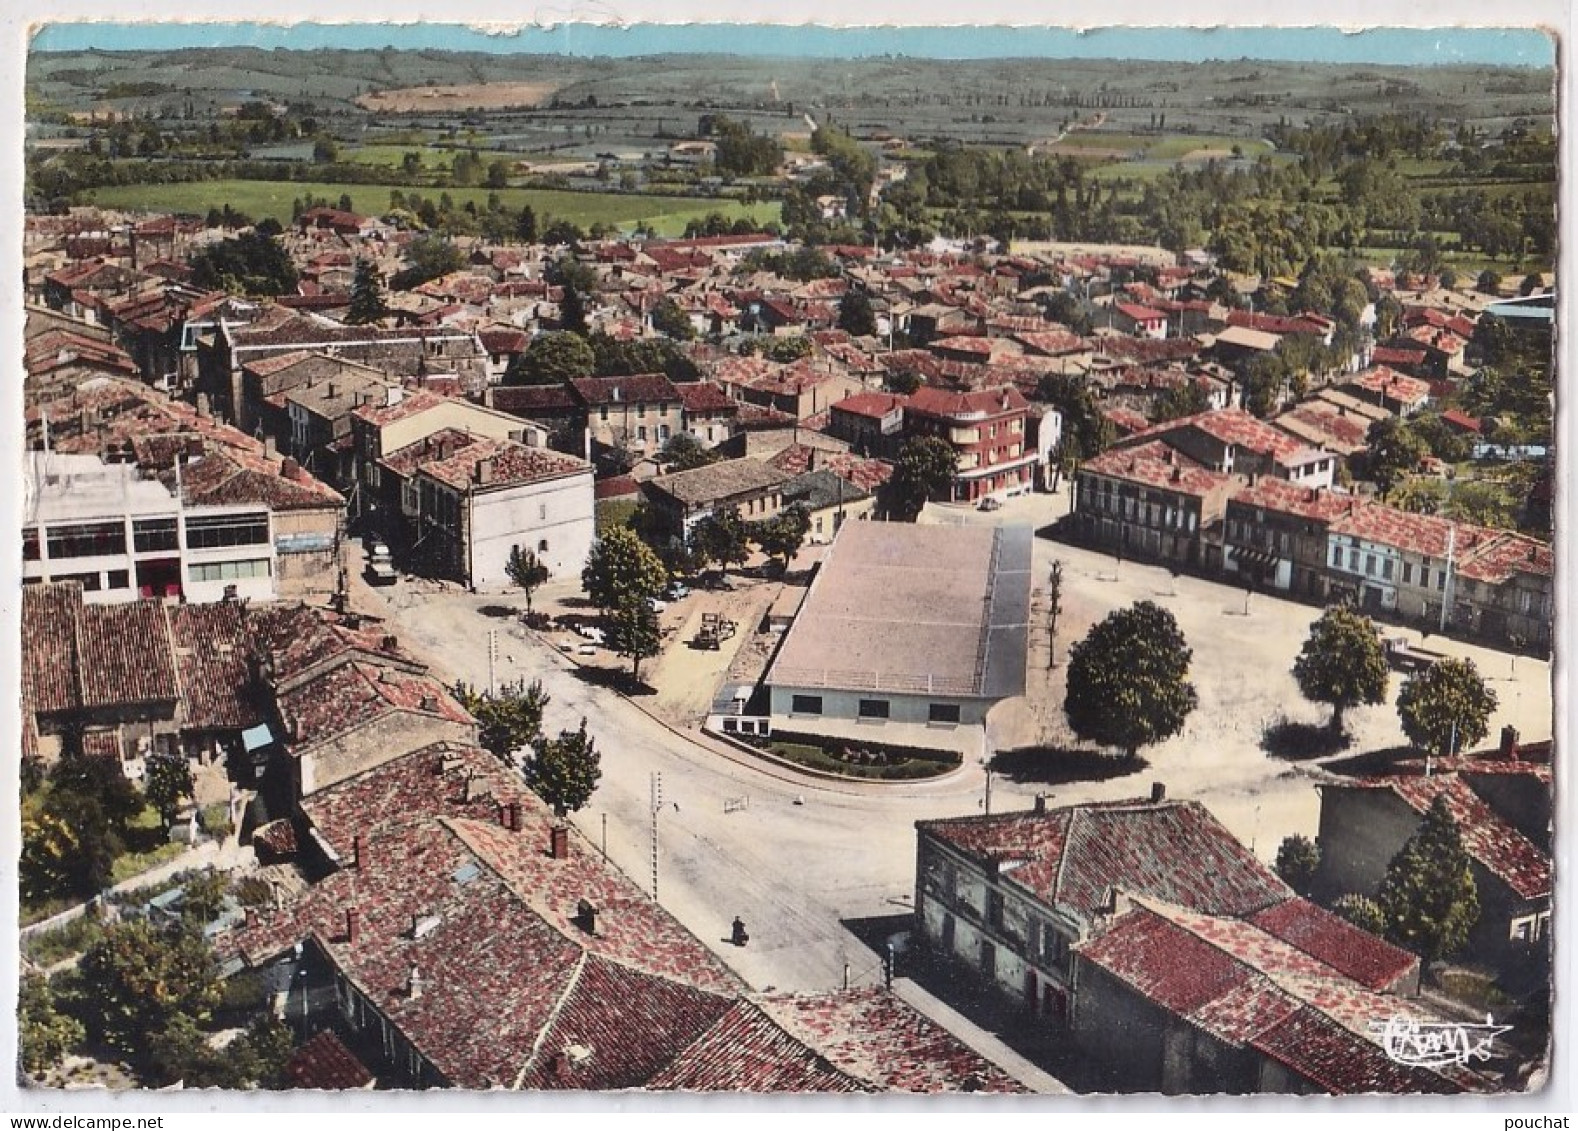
1148 950
1238 498
434 925
195 460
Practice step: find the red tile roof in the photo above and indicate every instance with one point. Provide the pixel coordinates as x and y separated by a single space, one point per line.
124 655
50 613
747 1051
1392 385
1282 497
324 1063
1156 465
1072 857
705 397
931 401
1237 427
643 388
1247 988
1495 844
1370 961
351 695
212 654
870 404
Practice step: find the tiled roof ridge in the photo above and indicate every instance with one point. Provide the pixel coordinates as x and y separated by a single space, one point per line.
754 1004
566 992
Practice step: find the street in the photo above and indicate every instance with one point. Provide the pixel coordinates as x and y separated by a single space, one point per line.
793 856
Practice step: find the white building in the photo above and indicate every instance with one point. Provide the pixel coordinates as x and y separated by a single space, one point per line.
123 534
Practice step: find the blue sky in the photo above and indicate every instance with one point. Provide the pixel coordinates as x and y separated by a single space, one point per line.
1517 47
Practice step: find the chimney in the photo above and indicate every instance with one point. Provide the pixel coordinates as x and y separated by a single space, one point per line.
389 643
515 816
358 849
559 843
329 392
586 916
194 447
353 923
614 394
1509 743
413 984
484 471
1158 792
1041 803
289 469
429 703
393 395
1177 476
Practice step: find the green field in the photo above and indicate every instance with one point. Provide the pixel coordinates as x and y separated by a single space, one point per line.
667 215
434 156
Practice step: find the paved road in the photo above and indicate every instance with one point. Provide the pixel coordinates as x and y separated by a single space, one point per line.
793 857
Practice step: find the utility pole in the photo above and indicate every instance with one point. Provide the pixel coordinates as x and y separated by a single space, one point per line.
1446 586
493 659
657 806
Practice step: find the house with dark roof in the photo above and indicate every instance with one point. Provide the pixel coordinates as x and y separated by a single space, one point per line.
748 486
636 414
1142 933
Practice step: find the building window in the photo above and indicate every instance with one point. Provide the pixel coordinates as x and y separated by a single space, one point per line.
542 512
542 545
663 433
149 534
118 579
602 412
1386 568
641 433
873 708
806 705
230 571
90 582
994 909
1408 573
1369 565
216 531
1441 576
943 712
30 544
89 540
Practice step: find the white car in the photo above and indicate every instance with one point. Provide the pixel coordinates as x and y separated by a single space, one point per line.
590 632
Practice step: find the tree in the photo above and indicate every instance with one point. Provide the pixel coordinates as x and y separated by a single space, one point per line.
525 571
325 151
250 263
1446 708
926 466
633 632
1187 399
1086 432
684 452
565 771
721 537
367 295
44 1033
169 781
572 309
669 319
428 257
1298 857
144 976
1488 283
508 719
1054 610
855 316
1395 451
551 359
903 381
1362 911
1128 680
1429 897
621 565
782 535
1342 663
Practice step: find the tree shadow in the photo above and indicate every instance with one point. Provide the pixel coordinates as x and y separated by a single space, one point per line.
498 612
1301 742
614 679
1060 765
1383 761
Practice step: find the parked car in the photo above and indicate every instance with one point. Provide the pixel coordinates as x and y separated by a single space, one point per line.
990 504
676 591
590 632
380 566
